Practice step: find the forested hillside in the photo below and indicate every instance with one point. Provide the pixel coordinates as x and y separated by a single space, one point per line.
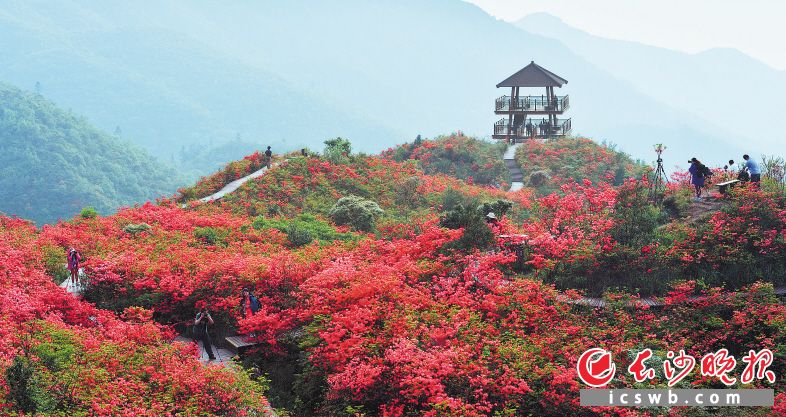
53 163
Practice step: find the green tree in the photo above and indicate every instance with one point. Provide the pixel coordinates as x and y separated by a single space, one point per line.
338 150
356 212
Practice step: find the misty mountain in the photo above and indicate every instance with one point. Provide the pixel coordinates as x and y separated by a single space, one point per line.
53 163
722 86
172 72
163 89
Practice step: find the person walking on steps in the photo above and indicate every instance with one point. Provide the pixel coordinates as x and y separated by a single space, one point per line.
201 323
74 258
268 157
753 169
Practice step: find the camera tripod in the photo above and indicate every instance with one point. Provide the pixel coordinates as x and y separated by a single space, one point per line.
658 181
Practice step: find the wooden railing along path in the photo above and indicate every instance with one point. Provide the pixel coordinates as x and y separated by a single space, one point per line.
638 303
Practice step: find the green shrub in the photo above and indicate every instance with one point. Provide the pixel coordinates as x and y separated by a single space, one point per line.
337 150
677 202
55 349
461 212
88 213
302 229
136 228
211 236
19 378
498 207
298 236
54 258
356 212
477 234
406 192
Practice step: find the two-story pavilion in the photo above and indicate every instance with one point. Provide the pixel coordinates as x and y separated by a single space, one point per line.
531 116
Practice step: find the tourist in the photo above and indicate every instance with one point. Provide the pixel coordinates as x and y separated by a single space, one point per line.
74 258
268 157
753 169
697 171
249 304
201 323
729 166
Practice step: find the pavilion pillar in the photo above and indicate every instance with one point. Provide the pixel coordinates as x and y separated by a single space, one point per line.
510 111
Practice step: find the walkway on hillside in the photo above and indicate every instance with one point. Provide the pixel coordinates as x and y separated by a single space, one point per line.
641 302
516 177
73 289
703 208
232 186
223 356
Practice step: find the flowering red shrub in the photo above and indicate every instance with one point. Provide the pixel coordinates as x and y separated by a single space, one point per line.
86 361
400 322
742 243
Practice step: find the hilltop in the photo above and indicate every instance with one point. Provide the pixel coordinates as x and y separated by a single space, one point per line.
460 156
546 165
53 163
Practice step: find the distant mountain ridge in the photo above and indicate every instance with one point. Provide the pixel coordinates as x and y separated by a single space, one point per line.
53 163
173 72
165 90
720 86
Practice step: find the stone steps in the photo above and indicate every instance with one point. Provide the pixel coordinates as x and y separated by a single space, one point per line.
516 176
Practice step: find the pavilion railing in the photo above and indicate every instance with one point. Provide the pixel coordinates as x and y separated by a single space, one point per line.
532 103
533 127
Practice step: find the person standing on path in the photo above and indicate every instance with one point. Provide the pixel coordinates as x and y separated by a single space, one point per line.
201 323
249 304
268 157
74 258
696 176
753 169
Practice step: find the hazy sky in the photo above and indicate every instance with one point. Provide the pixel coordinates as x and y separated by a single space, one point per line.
755 27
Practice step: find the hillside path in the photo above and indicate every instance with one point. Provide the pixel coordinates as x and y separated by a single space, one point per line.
701 209
234 185
638 303
516 177
223 356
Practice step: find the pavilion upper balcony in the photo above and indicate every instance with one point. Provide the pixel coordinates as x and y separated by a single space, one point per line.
531 128
531 105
